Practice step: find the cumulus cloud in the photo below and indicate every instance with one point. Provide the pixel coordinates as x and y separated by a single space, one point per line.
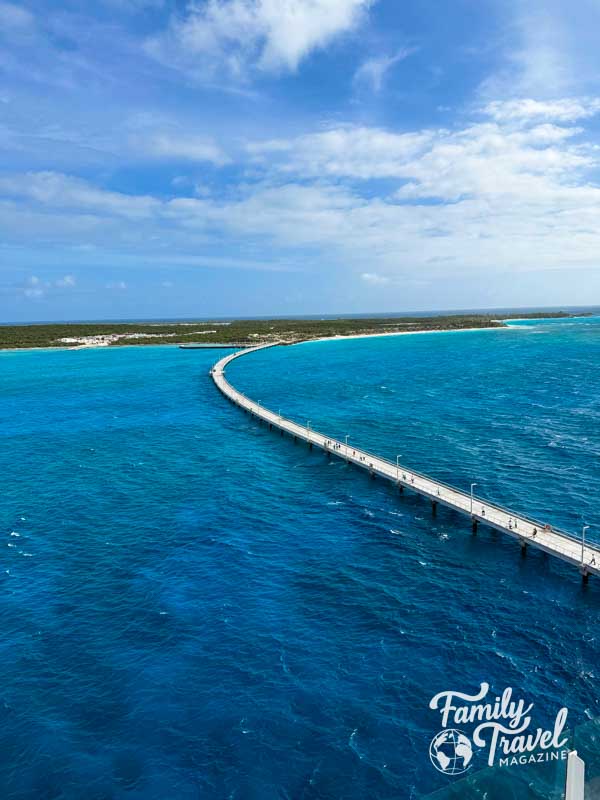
493 195
234 37
489 158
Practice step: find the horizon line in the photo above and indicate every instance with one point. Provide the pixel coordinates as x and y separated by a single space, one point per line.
308 316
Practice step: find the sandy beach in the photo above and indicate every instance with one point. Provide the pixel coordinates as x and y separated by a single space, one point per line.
404 333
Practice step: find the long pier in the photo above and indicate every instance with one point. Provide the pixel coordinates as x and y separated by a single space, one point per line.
528 532
213 346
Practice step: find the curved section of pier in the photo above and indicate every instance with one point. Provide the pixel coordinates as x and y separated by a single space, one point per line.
528 532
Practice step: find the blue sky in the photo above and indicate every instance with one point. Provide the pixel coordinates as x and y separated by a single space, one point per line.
252 157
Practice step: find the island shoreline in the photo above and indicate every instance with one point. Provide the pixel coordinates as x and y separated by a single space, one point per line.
338 338
402 333
284 332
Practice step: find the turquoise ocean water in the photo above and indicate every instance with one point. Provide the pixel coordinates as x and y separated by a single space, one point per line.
194 607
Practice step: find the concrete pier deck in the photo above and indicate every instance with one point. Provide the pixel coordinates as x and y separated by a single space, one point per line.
213 346
528 532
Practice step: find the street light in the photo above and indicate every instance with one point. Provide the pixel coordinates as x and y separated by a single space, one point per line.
347 437
398 467
308 428
583 530
473 485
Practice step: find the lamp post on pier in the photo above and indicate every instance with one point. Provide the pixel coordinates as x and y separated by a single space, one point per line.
308 428
347 437
583 530
398 467
473 485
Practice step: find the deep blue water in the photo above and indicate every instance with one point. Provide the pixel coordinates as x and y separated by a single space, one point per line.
194 607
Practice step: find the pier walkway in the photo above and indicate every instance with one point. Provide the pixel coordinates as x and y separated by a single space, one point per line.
214 346
528 532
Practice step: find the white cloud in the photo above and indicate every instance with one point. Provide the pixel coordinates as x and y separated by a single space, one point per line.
488 196
350 151
550 49
489 158
64 191
66 282
374 278
495 195
119 286
542 59
526 109
34 288
372 72
182 147
232 37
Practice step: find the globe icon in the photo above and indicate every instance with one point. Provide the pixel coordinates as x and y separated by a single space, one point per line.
450 752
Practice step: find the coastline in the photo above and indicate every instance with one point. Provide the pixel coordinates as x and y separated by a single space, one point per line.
403 333
246 333
85 347
305 341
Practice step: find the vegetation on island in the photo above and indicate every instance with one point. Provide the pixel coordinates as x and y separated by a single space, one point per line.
243 331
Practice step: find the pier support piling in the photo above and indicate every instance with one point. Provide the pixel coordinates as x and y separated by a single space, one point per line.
434 508
474 526
523 544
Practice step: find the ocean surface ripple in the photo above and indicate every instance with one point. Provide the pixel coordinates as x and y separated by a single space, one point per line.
194 607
